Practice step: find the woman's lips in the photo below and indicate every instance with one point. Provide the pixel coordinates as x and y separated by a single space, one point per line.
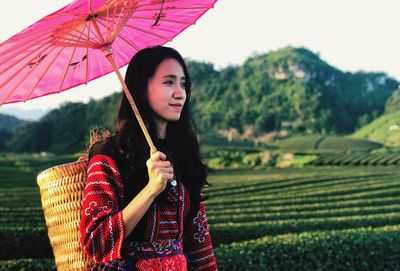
176 105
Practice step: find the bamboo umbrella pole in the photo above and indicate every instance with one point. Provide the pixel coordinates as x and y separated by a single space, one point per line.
109 55
107 50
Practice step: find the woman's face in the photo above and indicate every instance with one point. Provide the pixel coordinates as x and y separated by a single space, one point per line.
166 91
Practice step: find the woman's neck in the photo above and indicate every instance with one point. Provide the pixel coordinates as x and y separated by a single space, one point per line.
161 128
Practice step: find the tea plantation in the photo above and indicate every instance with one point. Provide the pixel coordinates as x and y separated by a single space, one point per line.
310 218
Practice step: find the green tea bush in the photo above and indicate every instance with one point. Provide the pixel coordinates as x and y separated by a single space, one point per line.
239 159
252 160
356 159
226 233
28 265
24 242
355 249
225 158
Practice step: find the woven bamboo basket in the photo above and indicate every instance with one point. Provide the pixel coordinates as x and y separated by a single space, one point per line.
61 190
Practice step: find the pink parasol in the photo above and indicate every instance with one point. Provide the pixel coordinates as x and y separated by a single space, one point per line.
88 39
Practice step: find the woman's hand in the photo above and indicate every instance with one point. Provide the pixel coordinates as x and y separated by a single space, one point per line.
160 172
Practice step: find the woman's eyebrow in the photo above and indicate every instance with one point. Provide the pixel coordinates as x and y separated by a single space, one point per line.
171 76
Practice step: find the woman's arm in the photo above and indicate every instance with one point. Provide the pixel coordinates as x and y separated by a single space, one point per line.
135 210
160 171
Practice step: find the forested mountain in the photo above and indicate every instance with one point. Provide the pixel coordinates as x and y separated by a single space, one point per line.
7 125
65 130
288 89
291 89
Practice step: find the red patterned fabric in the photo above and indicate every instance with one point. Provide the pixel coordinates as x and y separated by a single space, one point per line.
173 263
102 231
101 228
197 242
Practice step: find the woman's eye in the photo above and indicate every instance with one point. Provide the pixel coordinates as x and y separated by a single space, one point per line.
169 82
183 85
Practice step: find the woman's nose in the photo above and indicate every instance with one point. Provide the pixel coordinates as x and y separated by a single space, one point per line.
179 92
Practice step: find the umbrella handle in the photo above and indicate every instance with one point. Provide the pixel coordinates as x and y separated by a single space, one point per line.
109 55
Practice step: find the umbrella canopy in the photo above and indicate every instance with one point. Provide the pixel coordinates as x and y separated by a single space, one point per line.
77 44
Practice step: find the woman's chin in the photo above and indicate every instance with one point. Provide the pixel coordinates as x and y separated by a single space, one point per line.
174 119
170 119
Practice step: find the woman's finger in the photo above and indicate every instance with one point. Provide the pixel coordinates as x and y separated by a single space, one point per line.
169 176
162 164
165 175
158 156
166 170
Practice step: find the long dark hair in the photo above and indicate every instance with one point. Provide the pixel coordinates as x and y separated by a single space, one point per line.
180 135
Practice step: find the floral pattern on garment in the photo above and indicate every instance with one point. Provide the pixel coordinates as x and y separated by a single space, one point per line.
202 228
172 263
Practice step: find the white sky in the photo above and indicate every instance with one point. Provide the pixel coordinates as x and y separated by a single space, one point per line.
350 35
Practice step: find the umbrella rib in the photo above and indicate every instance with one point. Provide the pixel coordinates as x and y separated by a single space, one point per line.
86 25
97 31
161 20
66 70
47 69
74 39
148 4
108 30
124 16
10 92
158 8
107 25
95 40
90 6
34 33
70 35
115 20
152 19
70 60
148 32
134 46
116 31
11 57
30 61
174 8
99 21
87 56
26 44
60 15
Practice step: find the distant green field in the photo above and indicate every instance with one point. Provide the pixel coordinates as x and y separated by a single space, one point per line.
358 158
210 144
322 144
311 218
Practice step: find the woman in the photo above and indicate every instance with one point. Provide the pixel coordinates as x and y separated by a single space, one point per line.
143 212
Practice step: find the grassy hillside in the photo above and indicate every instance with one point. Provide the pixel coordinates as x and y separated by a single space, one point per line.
385 130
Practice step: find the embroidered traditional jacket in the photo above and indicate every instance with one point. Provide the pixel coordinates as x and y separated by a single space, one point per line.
165 228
